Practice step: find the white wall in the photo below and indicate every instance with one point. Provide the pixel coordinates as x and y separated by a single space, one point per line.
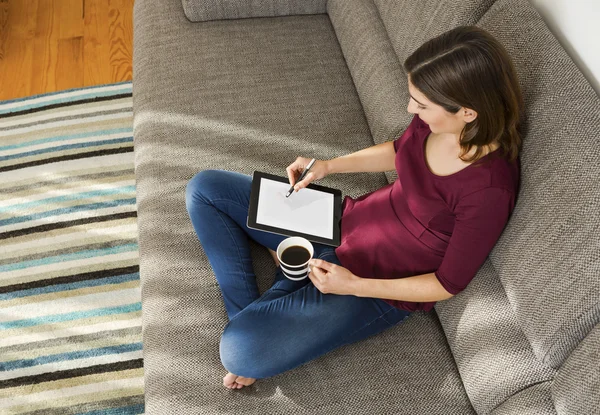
576 25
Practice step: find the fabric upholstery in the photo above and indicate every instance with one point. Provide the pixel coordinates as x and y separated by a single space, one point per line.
493 356
410 23
205 10
376 71
253 95
576 388
534 400
548 257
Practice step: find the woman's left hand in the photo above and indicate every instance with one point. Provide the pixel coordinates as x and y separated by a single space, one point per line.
331 278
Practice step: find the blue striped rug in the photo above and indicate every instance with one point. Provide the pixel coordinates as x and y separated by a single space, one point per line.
70 302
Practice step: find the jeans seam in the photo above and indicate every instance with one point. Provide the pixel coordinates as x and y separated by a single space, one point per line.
381 316
230 234
400 321
212 202
343 342
339 344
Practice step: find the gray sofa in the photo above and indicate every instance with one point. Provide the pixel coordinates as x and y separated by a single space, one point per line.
246 85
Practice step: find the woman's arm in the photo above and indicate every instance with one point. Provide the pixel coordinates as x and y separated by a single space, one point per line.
378 158
331 278
420 289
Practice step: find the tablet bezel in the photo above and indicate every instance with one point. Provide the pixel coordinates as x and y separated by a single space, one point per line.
253 210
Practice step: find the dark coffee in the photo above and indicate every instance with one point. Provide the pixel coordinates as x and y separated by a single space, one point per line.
295 255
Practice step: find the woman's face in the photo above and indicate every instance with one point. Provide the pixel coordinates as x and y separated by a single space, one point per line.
439 120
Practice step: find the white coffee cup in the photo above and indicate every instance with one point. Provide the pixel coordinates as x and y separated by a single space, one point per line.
296 271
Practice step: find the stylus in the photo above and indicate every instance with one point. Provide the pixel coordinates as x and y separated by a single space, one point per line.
302 176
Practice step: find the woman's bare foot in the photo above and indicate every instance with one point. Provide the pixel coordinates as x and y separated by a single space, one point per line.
232 381
274 255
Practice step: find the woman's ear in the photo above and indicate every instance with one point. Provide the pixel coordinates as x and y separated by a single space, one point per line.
468 114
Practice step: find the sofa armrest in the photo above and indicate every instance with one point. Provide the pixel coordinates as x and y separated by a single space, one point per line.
204 10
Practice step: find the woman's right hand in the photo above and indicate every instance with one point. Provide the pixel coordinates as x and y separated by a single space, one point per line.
317 172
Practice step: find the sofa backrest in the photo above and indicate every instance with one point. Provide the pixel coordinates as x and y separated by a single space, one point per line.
410 23
205 10
548 257
374 66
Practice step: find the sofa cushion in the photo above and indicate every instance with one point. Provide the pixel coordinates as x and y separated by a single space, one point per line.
204 10
492 354
376 71
410 23
249 95
534 400
576 388
547 258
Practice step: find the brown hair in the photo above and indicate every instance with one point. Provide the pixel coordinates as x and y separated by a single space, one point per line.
468 67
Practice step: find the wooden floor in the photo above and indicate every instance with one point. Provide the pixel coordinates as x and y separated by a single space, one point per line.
50 45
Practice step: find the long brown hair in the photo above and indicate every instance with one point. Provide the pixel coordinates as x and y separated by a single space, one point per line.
468 67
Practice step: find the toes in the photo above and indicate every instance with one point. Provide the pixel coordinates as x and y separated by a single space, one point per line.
229 380
232 381
241 380
245 381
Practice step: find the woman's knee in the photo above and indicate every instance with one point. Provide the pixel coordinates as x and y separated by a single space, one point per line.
235 355
243 351
201 186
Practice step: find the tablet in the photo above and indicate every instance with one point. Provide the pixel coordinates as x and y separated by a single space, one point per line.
313 213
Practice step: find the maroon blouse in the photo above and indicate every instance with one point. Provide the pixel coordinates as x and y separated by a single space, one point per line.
425 223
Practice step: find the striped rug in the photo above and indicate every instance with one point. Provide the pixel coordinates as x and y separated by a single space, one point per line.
70 303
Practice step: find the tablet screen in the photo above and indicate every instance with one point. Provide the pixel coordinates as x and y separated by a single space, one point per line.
307 211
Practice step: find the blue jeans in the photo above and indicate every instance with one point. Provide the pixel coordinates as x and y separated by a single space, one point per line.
292 322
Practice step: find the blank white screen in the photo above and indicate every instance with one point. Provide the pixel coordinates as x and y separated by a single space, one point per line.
307 211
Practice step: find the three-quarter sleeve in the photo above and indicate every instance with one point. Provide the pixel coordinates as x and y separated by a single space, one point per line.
410 130
480 218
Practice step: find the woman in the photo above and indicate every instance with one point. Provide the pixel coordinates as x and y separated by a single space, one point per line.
404 246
